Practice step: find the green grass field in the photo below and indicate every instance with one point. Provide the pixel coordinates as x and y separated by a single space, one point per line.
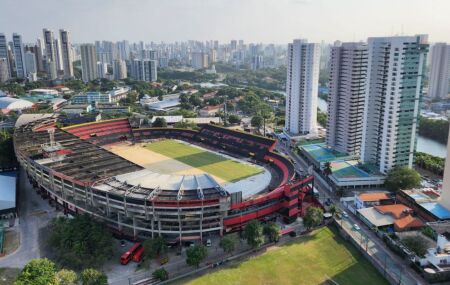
217 165
314 259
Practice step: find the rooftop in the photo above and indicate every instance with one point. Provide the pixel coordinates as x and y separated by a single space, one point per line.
437 210
395 210
8 190
321 153
374 196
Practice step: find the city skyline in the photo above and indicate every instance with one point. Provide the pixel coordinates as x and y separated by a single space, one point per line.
227 20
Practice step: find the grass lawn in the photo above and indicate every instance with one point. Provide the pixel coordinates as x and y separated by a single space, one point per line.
8 275
217 165
311 260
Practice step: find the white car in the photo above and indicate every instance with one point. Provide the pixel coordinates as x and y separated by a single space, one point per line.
208 243
356 227
344 214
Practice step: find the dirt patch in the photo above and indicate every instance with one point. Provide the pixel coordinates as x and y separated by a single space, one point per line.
12 241
8 275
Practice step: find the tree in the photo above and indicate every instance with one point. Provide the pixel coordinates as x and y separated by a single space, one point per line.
333 209
257 121
272 231
228 243
66 277
37 272
234 119
195 255
313 217
154 247
195 100
80 242
90 276
417 244
402 178
161 274
7 157
159 123
327 169
322 118
253 232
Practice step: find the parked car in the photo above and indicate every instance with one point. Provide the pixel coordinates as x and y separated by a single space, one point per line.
344 214
356 227
208 243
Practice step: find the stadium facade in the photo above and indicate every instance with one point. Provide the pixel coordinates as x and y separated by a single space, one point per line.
71 167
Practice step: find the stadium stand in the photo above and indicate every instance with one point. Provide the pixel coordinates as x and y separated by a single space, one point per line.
70 167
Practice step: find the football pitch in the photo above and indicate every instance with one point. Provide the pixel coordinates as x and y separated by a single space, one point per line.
320 258
227 169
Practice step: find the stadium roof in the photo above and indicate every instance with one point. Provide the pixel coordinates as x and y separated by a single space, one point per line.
28 118
152 180
169 119
8 190
14 104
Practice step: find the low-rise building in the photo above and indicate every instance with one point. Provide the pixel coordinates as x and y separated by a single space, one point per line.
8 182
210 111
396 217
370 199
77 108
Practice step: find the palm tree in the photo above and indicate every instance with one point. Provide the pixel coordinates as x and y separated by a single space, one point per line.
327 169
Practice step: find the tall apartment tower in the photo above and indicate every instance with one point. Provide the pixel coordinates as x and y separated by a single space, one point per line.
50 54
4 69
19 57
347 87
445 194
396 67
144 70
4 54
439 71
88 62
66 53
302 86
119 69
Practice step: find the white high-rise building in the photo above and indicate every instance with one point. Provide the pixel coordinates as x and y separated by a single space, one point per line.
199 60
4 55
257 62
88 62
347 87
30 62
59 61
102 69
393 92
50 54
19 58
4 70
66 53
439 71
445 195
119 69
302 86
144 70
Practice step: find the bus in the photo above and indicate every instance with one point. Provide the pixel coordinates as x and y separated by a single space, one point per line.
137 257
127 256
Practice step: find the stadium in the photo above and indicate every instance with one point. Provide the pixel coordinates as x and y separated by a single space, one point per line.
179 183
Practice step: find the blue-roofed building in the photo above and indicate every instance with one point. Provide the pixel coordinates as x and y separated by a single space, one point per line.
8 203
425 203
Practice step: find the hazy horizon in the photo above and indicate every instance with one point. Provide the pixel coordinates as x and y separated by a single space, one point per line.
265 21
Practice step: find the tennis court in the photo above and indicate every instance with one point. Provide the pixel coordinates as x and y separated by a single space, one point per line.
321 153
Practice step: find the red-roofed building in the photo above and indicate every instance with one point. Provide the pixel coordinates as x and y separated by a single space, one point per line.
370 199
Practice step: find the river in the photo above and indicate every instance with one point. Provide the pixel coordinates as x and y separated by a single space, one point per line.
423 144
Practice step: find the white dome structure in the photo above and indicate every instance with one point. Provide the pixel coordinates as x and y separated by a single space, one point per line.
13 104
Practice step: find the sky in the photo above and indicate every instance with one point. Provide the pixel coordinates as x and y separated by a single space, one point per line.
259 21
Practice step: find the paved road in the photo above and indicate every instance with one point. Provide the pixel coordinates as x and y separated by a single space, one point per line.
34 213
373 244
